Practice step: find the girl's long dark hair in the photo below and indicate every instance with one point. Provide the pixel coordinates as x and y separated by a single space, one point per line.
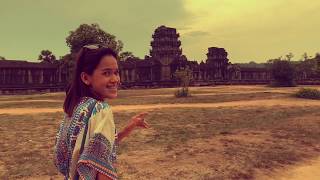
87 60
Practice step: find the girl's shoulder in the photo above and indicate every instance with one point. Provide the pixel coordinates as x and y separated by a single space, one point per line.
89 103
88 107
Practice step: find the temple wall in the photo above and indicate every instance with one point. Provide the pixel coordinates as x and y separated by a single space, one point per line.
24 79
18 80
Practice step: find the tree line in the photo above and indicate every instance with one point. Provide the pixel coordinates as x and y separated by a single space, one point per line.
286 72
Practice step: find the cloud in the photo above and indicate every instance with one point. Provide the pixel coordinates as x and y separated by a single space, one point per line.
196 34
248 29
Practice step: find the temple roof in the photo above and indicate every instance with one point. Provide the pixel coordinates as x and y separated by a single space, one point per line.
136 63
251 65
26 64
253 69
144 63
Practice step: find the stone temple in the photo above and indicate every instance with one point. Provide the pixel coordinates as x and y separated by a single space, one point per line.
166 57
155 70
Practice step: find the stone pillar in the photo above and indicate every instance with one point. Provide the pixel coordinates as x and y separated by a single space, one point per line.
133 75
41 76
165 73
127 75
59 75
23 76
4 76
122 75
30 81
51 77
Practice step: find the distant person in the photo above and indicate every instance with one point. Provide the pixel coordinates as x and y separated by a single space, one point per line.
87 139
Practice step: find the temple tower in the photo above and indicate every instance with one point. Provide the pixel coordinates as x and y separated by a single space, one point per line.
217 63
165 49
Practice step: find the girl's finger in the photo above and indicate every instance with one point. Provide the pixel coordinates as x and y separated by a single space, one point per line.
146 125
141 115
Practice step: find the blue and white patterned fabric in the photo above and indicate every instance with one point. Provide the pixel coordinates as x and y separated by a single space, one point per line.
99 154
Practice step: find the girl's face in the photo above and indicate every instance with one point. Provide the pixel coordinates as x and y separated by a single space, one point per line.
105 79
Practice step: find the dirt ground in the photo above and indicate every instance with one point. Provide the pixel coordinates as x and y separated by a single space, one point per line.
257 103
275 137
308 170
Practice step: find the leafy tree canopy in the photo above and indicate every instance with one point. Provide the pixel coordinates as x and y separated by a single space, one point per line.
47 56
92 34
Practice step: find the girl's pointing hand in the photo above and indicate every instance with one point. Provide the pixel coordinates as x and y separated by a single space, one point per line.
138 120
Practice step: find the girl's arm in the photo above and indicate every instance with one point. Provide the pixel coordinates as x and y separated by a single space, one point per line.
136 121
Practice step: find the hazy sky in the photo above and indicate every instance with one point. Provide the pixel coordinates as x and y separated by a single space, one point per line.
248 29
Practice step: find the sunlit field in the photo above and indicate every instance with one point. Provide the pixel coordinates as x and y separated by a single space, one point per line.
222 132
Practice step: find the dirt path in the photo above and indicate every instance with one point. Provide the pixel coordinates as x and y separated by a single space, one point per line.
218 93
306 171
288 102
162 95
57 177
31 100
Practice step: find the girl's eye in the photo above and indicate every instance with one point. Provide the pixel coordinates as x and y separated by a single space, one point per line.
107 73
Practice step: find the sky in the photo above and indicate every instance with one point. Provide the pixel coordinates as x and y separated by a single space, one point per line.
249 30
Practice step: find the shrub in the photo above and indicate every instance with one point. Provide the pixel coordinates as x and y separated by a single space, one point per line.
283 73
184 75
183 92
283 84
308 93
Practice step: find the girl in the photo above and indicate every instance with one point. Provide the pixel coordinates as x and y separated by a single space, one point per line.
86 142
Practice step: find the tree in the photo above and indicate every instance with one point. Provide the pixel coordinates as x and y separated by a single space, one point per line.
92 34
2 58
289 56
307 67
317 59
125 55
47 56
87 34
184 76
283 72
305 56
68 64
